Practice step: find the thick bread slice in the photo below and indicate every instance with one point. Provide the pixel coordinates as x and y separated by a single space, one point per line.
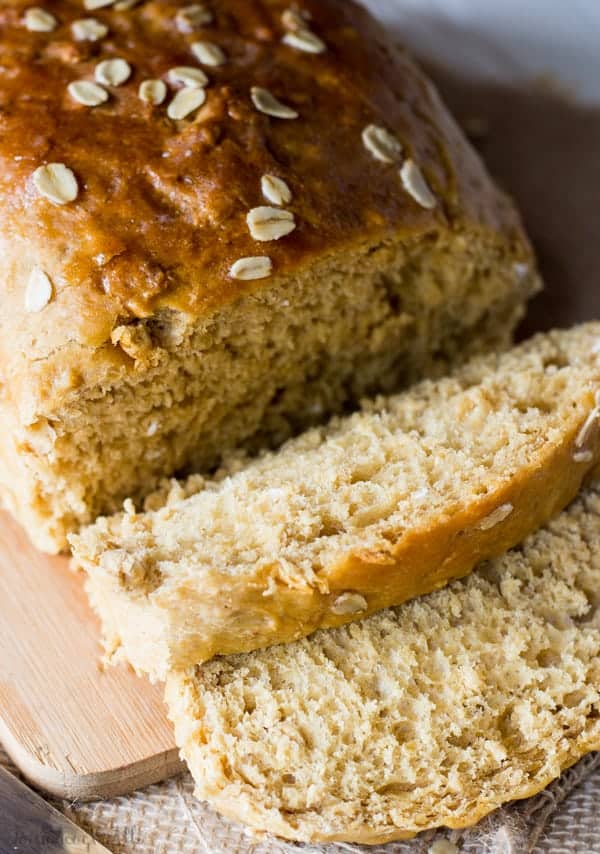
365 513
430 714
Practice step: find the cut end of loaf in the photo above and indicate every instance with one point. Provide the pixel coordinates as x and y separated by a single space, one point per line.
177 396
431 714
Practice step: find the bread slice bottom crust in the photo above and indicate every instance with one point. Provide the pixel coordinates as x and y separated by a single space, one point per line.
430 714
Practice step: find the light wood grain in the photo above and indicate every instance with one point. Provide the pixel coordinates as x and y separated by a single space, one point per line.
74 729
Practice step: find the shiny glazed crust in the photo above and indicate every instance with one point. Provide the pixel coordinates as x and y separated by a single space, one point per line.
160 213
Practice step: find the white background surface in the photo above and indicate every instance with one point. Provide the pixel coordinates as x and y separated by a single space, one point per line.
508 40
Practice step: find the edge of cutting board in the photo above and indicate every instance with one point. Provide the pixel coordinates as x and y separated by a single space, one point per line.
74 728
72 786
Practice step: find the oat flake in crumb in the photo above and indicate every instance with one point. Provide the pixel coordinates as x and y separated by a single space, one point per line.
495 517
582 451
349 603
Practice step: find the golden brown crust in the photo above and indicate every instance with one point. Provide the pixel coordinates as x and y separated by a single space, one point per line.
160 213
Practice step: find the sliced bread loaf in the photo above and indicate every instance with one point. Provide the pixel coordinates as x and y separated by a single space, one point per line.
430 714
225 267
359 515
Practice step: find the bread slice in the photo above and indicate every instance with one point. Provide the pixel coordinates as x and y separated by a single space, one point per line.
433 713
353 517
140 334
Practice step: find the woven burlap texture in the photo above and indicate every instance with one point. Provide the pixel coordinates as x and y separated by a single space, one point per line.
167 819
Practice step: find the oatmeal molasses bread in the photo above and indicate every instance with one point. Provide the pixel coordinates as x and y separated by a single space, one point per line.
369 511
221 222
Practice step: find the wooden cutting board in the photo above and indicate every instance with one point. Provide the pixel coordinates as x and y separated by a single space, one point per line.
79 732
73 728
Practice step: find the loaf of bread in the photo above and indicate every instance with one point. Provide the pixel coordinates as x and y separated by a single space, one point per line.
347 519
430 714
219 223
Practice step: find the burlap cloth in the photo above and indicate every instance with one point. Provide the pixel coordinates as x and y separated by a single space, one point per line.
166 819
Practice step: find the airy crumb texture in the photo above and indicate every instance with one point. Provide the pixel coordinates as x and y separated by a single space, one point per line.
430 714
353 517
177 314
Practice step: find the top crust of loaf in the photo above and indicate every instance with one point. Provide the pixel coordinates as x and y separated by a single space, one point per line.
160 212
